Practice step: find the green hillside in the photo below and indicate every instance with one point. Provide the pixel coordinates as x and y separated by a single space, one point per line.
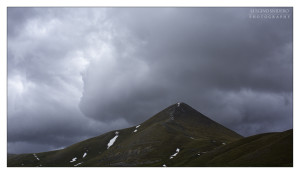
177 136
269 149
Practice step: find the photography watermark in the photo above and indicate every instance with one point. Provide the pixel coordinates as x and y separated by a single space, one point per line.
270 13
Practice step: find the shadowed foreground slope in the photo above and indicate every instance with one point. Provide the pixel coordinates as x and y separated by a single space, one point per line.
269 149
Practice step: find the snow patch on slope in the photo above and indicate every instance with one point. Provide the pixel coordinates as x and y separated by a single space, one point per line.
84 155
136 128
36 156
112 141
73 160
177 151
78 164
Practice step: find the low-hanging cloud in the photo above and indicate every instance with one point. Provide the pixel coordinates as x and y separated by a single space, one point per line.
91 70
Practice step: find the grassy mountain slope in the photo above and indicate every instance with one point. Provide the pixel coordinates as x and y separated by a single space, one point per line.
152 143
269 149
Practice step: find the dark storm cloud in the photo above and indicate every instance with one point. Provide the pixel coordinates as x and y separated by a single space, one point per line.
45 63
169 55
120 66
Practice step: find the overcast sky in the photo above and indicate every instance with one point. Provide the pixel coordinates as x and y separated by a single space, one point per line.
74 73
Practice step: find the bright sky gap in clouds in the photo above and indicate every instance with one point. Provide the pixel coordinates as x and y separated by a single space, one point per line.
74 73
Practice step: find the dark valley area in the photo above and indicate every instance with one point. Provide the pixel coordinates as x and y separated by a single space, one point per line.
178 136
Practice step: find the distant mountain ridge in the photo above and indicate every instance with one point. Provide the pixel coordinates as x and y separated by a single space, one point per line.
177 136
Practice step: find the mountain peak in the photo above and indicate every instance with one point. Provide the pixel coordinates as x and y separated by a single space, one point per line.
181 109
176 109
178 129
180 117
189 139
180 105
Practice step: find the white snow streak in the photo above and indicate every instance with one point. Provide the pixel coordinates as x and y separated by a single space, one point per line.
224 143
164 165
177 151
73 160
36 156
78 164
136 128
84 154
112 141
178 104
